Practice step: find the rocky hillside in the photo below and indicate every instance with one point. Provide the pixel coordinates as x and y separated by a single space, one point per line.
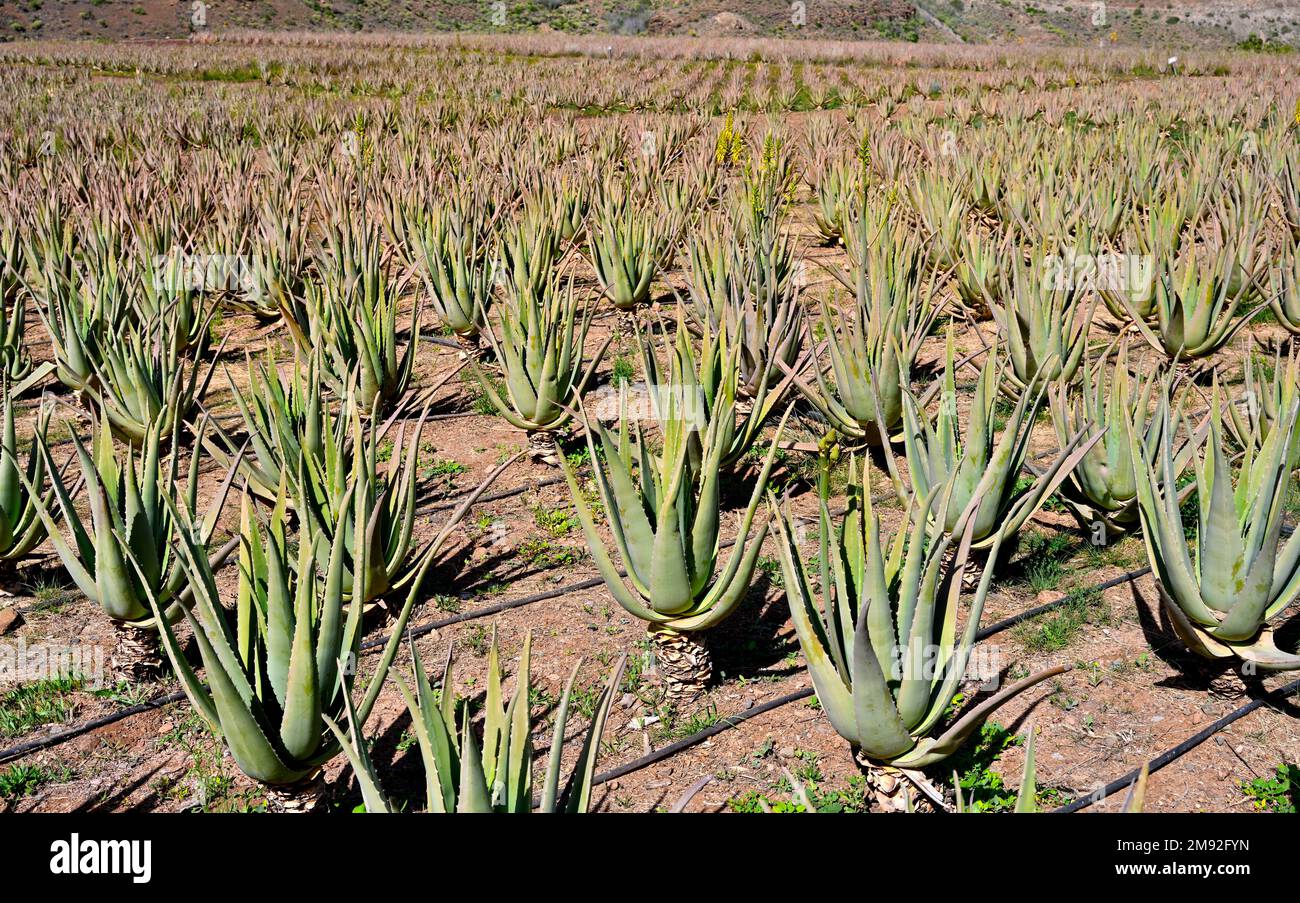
176 18
1176 23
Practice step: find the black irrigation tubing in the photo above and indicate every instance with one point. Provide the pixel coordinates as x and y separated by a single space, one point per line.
1037 610
77 730
1181 749
695 739
497 608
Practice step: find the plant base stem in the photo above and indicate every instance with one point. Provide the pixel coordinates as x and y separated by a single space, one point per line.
542 447
470 347
137 657
684 664
976 562
892 790
308 795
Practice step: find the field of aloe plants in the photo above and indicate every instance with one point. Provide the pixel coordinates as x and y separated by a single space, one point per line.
465 424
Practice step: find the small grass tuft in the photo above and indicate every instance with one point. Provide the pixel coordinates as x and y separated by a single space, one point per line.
37 703
18 781
1058 628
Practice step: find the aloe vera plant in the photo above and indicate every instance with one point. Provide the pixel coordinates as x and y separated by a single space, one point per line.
572 203
1287 178
977 463
872 349
1126 282
16 366
366 503
282 665
540 351
1044 322
21 527
1239 223
494 773
312 460
1101 491
456 266
132 516
1284 295
665 515
144 380
883 647
530 248
1266 400
976 271
626 245
836 188
170 290
275 276
1160 234
706 387
284 659
942 210
748 286
78 311
1196 312
350 318
291 431
1242 575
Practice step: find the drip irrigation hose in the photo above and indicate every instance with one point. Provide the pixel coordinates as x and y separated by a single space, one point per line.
1181 749
85 727
424 629
695 739
1037 610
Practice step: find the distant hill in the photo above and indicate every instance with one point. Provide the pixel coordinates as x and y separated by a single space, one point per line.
1262 24
1176 23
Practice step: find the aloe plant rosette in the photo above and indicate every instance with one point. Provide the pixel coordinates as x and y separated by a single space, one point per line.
664 515
978 463
626 244
132 516
540 351
1221 599
711 380
1198 303
1101 491
21 527
884 647
280 665
283 660
457 270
